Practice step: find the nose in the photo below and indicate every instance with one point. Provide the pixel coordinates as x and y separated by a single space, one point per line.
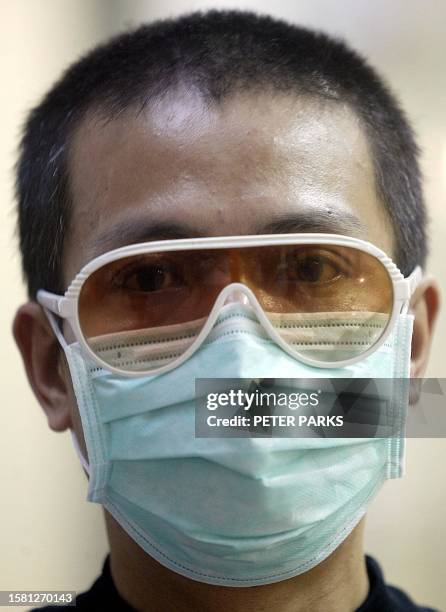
237 296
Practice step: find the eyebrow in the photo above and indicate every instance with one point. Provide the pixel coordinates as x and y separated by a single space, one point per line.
330 221
136 230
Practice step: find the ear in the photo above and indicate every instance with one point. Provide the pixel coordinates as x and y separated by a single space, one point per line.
424 305
42 358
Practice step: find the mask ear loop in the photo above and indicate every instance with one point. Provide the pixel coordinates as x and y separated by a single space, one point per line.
54 326
79 453
60 337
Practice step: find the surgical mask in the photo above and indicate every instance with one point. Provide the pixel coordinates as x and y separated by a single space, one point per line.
228 511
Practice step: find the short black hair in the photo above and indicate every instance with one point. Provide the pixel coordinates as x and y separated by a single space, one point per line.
220 52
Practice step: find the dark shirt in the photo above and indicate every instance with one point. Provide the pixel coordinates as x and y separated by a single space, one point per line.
381 598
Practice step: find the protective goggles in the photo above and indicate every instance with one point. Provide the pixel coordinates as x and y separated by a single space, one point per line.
143 309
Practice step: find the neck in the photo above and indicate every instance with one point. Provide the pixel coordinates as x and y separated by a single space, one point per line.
338 584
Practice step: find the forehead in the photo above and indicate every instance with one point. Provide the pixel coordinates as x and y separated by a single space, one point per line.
254 163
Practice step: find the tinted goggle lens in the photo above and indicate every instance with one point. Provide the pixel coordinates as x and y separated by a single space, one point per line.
327 302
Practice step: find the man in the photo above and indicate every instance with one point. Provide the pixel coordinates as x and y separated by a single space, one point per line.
220 124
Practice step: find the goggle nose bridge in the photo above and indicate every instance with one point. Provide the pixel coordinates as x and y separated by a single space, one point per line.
244 295
238 292
237 295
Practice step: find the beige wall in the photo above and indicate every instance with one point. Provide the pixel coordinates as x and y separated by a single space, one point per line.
49 537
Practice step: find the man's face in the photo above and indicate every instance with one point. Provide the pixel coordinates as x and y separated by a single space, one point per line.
255 164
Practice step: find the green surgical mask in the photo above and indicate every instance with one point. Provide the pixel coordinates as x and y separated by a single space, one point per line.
229 511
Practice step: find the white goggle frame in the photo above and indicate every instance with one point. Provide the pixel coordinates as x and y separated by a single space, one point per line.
66 306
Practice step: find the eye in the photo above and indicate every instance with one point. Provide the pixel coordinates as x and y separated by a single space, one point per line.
313 268
147 277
